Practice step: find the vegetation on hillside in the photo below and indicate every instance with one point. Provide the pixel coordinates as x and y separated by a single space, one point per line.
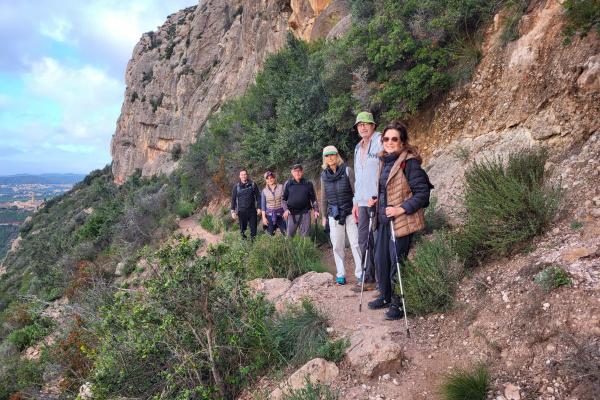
196 331
397 57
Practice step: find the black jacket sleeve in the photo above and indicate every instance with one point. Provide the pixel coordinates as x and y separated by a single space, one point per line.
419 186
234 198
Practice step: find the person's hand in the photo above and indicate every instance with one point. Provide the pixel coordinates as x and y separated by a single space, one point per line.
355 212
372 202
233 215
286 214
265 221
316 214
324 221
258 212
392 212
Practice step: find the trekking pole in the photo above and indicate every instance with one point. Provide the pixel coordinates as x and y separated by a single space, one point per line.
399 277
364 264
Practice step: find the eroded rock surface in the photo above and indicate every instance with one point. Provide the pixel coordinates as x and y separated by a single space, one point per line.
374 348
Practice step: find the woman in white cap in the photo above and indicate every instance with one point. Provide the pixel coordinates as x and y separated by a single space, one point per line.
337 191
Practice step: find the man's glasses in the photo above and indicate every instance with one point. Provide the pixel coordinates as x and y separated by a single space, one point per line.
387 139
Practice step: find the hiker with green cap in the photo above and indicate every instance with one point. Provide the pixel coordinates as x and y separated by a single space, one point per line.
366 166
337 190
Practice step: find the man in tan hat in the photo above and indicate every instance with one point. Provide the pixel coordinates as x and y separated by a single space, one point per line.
366 165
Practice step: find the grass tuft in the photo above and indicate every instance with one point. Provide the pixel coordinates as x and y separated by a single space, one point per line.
312 391
465 385
301 333
283 257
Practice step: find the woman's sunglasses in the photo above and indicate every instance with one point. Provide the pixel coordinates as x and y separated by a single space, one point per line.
387 139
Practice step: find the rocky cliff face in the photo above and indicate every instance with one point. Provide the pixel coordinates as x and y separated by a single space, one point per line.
533 91
200 57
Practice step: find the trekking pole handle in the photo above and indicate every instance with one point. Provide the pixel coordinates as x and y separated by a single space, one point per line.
372 208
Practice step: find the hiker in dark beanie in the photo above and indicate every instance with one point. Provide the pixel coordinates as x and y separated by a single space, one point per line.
403 192
245 199
298 199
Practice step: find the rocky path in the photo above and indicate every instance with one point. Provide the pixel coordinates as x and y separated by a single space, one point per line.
190 226
531 340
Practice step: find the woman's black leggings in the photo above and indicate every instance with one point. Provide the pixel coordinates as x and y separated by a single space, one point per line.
385 259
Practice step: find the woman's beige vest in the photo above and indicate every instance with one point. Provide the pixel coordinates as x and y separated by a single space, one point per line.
398 191
273 199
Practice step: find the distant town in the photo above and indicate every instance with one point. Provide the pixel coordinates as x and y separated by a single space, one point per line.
22 195
29 191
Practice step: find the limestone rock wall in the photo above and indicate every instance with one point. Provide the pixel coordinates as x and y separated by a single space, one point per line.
533 91
200 57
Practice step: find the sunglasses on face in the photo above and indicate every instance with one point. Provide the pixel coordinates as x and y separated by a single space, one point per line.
387 139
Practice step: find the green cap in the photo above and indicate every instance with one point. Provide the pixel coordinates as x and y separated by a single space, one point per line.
365 117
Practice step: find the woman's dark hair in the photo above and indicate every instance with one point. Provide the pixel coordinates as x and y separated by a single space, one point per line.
400 127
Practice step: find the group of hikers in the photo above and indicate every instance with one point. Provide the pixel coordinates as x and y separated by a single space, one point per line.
384 195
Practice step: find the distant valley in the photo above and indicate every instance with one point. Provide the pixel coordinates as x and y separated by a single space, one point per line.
21 195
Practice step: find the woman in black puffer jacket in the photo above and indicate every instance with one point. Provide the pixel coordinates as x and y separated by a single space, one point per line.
337 190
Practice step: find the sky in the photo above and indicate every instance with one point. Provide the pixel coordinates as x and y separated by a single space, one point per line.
62 69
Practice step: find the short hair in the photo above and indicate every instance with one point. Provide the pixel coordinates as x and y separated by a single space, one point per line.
243 170
400 127
297 166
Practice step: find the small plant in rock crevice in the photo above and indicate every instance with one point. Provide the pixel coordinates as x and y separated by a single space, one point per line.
552 277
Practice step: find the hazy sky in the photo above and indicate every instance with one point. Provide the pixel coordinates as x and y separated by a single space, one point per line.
62 67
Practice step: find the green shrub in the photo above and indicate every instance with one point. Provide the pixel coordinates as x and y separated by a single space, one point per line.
30 334
582 17
430 278
301 332
185 208
334 350
212 223
552 277
466 385
312 391
282 257
576 224
195 330
504 206
19 374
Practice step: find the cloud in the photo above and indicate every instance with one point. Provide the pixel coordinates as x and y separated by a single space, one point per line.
58 29
62 77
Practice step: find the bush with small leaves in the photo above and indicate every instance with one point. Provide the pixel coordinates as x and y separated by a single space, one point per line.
552 277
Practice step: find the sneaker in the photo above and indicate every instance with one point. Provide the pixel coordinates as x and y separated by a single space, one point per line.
394 313
367 287
378 303
340 281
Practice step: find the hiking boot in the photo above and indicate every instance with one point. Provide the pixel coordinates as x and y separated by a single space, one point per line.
367 288
378 303
340 281
394 313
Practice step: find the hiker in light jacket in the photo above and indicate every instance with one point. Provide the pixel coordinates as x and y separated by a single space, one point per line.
366 165
298 199
403 192
244 203
337 190
271 205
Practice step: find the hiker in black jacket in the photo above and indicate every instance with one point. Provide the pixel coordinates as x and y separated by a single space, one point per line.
298 199
245 199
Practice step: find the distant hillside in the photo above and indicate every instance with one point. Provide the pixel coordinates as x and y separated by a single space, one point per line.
21 179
